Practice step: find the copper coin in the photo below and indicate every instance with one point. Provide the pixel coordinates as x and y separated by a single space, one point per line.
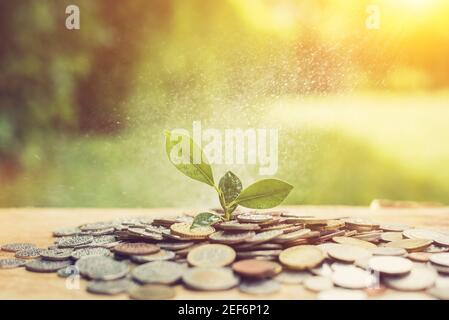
136 248
257 268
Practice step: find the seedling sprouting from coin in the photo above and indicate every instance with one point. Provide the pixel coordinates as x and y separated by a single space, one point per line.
263 194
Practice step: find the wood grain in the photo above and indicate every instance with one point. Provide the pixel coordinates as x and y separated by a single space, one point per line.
35 225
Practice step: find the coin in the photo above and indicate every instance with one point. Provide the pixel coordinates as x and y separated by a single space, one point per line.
257 253
389 251
348 253
318 283
46 266
210 279
162 272
419 278
256 268
96 226
410 245
84 252
360 224
260 287
292 277
64 232
73 241
353 278
419 256
14 247
439 293
393 227
56 254
175 245
254 218
342 294
106 269
422 234
301 257
291 236
262 246
211 255
136 248
237 226
31 253
354 242
390 265
391 236
264 236
158 256
441 259
183 229
323 270
152 292
110 287
10 263
231 237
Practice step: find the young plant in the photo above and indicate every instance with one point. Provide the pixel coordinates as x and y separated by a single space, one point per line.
263 194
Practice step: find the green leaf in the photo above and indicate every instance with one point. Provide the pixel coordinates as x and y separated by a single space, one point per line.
204 219
264 194
184 149
231 186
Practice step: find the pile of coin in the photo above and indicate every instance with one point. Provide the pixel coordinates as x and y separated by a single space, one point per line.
337 258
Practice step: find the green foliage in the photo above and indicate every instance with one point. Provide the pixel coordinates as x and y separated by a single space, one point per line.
263 194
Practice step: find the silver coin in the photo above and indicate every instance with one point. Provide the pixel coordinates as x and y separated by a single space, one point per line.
260 287
175 245
107 269
420 278
324 270
31 253
441 259
390 265
292 277
46 266
210 279
83 264
11 263
14 247
94 251
101 240
353 278
264 236
156 229
73 241
161 272
110 287
102 232
56 254
97 226
158 256
65 232
231 237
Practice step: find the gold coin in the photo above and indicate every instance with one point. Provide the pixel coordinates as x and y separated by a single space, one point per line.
354 242
301 257
183 229
410 245
211 256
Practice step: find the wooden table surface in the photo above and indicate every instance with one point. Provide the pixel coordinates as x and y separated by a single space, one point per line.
35 226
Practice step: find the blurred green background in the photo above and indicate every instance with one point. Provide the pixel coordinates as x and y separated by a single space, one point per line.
361 113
